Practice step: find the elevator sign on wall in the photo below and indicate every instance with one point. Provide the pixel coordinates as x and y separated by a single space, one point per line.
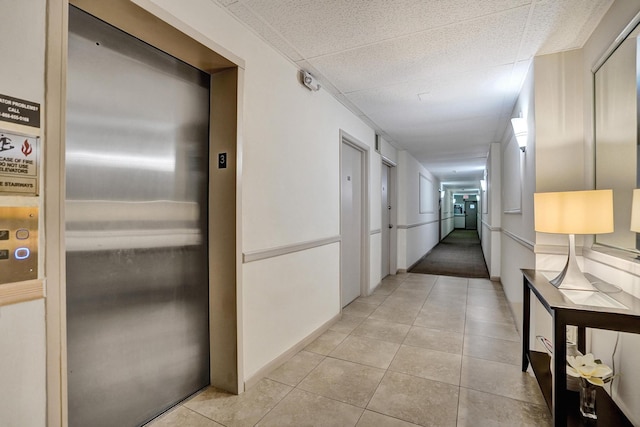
20 111
18 163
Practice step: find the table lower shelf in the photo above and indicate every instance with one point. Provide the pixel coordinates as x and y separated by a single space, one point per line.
608 412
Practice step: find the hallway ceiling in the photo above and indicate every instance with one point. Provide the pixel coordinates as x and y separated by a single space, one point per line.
438 78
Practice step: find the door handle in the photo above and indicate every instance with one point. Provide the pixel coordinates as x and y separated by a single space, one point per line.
390 225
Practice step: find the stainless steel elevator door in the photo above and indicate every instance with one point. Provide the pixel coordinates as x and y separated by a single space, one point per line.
136 236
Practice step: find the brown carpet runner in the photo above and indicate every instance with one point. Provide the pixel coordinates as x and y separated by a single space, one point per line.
459 254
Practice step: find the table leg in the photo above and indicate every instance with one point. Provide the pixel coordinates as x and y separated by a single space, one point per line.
559 383
526 321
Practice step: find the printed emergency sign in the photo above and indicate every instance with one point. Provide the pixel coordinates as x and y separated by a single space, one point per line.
18 163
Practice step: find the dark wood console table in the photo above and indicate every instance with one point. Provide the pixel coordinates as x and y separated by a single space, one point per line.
563 403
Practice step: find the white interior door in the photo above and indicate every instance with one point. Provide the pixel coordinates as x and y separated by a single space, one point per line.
386 221
351 223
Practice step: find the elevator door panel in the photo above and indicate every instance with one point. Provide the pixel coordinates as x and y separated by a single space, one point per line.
136 237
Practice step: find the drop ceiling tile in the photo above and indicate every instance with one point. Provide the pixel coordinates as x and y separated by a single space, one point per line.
556 26
323 27
484 42
263 30
486 85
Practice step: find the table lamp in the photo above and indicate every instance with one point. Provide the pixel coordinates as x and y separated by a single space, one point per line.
571 213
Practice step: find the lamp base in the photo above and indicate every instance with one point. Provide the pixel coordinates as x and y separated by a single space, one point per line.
571 277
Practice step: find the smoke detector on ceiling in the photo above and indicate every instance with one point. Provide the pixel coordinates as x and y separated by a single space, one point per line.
309 81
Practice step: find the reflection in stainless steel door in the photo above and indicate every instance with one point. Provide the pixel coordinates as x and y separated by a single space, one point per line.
136 190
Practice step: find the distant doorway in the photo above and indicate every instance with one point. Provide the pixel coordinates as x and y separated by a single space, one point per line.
386 221
471 215
351 222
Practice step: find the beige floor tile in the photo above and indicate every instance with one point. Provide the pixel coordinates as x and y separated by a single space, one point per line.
479 409
434 339
303 409
489 301
500 378
417 400
243 410
366 351
434 308
486 314
501 331
485 284
181 416
375 299
481 291
373 419
453 322
429 364
403 302
347 323
410 294
404 315
416 285
382 330
447 301
387 287
422 278
397 278
295 369
326 342
357 308
492 349
344 381
452 281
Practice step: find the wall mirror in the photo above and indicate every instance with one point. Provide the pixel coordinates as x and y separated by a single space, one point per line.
617 109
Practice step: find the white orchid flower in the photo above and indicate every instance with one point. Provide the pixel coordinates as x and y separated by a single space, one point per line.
587 367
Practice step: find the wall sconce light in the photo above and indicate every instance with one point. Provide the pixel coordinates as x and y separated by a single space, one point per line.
519 125
483 185
571 213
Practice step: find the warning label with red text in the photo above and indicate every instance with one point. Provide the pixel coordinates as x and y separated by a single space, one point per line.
18 163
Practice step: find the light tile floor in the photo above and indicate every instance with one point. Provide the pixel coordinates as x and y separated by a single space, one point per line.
422 350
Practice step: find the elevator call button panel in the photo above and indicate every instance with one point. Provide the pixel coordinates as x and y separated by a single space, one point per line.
18 244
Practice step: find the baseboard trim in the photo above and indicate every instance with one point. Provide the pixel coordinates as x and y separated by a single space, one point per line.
288 354
495 278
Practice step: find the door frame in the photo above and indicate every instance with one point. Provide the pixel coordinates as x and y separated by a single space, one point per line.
147 22
392 194
365 261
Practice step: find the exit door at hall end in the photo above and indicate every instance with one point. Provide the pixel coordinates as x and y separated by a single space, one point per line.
471 215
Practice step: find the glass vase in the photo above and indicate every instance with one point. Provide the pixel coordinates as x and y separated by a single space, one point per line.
587 399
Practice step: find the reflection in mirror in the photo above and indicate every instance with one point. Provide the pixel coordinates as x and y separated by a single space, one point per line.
616 133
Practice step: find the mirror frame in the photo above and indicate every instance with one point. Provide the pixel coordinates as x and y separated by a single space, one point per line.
617 42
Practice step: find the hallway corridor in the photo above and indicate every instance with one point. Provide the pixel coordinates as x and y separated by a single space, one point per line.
458 254
422 350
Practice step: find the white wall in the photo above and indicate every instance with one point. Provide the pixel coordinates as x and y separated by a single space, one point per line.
565 159
492 219
626 391
517 169
290 189
417 232
22 326
448 224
